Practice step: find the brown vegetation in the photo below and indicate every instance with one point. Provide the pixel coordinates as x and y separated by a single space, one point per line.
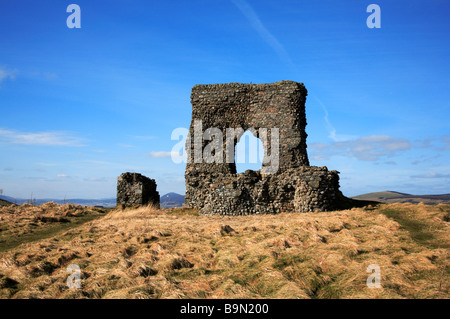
28 222
174 253
5 203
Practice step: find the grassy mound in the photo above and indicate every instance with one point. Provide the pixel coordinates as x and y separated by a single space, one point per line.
174 253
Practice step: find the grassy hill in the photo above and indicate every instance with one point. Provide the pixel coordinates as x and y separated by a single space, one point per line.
396 197
175 253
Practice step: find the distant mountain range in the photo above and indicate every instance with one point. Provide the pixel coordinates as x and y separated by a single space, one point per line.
176 200
396 197
105 202
167 201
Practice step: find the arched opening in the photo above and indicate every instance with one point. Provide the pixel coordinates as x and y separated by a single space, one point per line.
249 153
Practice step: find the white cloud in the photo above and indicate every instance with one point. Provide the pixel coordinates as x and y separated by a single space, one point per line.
39 138
7 74
161 154
370 148
256 23
176 157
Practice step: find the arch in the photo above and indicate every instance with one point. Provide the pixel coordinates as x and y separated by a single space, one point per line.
285 181
249 152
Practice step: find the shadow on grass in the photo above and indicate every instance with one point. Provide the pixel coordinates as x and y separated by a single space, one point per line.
349 203
421 231
10 242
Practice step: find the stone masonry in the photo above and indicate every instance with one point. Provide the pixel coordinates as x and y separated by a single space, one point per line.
215 188
136 189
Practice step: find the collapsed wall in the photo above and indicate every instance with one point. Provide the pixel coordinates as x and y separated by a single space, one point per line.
286 182
136 189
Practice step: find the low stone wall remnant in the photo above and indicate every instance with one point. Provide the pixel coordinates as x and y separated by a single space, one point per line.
136 189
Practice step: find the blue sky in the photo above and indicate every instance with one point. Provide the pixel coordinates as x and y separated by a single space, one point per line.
81 106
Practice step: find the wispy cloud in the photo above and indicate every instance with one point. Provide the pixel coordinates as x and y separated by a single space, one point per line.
174 155
55 138
437 142
259 27
432 175
96 179
161 154
57 178
446 140
7 74
370 148
331 129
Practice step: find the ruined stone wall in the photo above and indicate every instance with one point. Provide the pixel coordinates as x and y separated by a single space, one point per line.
304 189
215 188
278 105
136 189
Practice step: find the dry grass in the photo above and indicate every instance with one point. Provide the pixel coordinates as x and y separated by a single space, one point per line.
27 222
174 253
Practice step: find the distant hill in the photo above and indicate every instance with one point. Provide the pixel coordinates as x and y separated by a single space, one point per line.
105 202
172 200
8 199
396 197
167 201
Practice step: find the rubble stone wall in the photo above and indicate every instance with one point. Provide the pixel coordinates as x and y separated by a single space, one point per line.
215 188
136 189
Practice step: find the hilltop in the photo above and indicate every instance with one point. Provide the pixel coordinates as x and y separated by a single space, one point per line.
176 253
5 203
171 200
396 197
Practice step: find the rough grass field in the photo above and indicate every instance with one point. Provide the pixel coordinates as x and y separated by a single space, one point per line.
27 223
174 253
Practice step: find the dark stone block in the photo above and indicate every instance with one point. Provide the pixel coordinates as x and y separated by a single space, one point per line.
136 189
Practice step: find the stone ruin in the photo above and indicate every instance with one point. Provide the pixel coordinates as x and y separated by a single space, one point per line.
136 189
215 188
